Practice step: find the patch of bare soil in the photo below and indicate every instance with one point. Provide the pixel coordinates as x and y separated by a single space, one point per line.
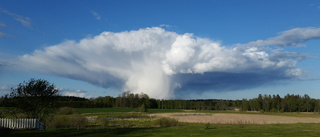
223 118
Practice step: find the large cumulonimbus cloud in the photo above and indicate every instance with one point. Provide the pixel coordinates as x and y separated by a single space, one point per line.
165 64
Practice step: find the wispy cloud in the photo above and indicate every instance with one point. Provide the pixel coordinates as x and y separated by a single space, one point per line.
25 21
163 63
290 38
165 25
2 25
3 34
95 14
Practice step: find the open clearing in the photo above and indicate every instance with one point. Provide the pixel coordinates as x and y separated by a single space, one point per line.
225 118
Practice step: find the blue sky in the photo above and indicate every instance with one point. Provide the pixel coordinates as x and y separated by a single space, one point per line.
168 49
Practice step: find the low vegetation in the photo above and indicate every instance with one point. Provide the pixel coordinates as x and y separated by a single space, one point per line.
166 122
123 110
66 118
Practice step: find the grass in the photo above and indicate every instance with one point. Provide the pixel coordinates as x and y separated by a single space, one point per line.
292 130
105 110
164 110
111 110
289 114
295 114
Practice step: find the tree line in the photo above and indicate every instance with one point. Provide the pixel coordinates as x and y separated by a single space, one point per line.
35 96
263 103
274 103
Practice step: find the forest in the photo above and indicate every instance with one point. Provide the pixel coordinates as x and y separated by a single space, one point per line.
263 103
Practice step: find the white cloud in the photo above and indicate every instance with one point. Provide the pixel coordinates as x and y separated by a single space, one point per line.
73 92
149 60
181 51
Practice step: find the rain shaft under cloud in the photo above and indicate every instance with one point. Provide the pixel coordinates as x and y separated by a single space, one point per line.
163 64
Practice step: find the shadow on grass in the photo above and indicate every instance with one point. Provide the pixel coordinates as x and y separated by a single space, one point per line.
5 132
82 132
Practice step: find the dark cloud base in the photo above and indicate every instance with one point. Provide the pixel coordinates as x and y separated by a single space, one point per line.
222 81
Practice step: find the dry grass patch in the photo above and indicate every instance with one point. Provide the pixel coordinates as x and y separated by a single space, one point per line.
226 118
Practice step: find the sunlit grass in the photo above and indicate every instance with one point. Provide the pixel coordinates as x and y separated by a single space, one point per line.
110 110
186 129
105 110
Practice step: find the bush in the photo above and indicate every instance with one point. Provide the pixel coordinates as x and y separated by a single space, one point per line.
103 122
56 121
166 122
143 108
67 111
66 121
207 125
78 121
273 110
261 111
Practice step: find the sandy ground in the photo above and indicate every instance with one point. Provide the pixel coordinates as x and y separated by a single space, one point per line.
222 118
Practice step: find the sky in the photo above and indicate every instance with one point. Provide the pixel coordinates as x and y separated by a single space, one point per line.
181 49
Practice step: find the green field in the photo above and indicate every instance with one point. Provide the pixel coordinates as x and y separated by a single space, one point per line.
105 110
124 110
285 130
112 110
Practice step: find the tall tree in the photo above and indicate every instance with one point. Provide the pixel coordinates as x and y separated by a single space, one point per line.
260 102
35 97
245 105
306 102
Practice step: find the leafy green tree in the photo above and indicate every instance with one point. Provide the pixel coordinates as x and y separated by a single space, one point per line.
143 108
245 105
278 102
307 102
260 102
35 98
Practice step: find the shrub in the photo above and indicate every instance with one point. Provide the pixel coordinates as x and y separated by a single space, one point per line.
207 125
143 108
57 121
166 122
66 121
261 111
103 122
78 121
124 123
273 110
67 111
